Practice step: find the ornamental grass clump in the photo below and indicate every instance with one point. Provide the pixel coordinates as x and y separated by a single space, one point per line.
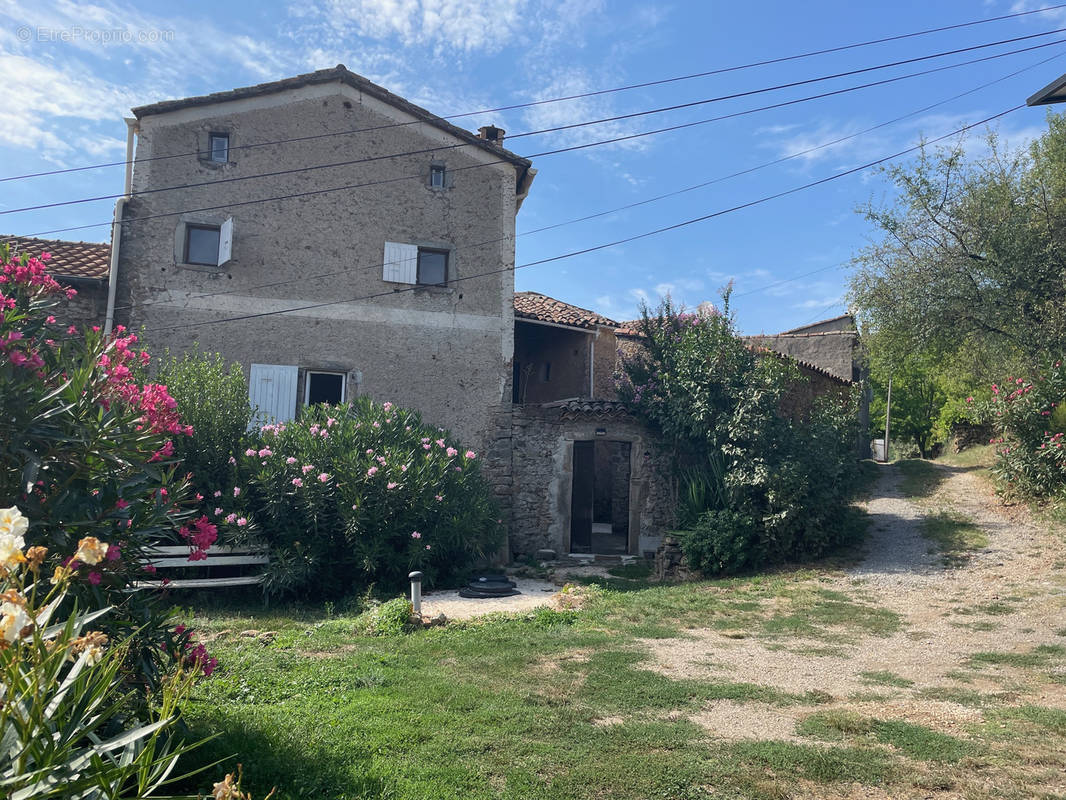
359 494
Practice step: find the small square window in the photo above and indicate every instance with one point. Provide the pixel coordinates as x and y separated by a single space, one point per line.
324 387
218 148
202 244
436 176
432 266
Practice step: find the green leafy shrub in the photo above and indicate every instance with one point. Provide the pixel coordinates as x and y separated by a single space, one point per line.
390 618
1029 426
213 399
761 480
358 494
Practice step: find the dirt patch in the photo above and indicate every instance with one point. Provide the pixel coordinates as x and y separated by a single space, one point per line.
730 720
534 594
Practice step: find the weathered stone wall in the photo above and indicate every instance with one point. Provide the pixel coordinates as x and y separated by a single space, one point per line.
542 453
88 307
567 351
313 264
834 351
605 362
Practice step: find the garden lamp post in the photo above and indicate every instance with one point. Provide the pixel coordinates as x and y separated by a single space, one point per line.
416 592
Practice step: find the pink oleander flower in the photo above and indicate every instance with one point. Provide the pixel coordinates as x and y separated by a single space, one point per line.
391 485
370 452
121 504
250 451
217 511
440 443
416 535
469 454
266 452
241 522
330 422
324 433
314 430
150 568
231 518
218 493
387 406
451 452
429 547
377 424
94 578
307 468
425 447
297 482
236 491
403 468
114 552
232 460
323 477
439 498
290 460
372 472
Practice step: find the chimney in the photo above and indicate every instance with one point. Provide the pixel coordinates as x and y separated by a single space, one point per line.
490 133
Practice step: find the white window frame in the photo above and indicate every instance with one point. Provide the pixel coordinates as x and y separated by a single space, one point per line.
435 171
307 383
225 241
211 150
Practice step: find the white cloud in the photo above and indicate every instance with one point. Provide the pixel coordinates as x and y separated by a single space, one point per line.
1056 15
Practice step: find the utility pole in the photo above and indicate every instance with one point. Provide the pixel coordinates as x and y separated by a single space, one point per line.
888 412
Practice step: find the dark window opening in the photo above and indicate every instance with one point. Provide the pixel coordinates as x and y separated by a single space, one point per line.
516 382
546 373
201 244
324 387
599 510
436 176
432 267
218 148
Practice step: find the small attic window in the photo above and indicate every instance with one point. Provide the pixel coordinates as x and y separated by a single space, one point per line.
218 148
437 175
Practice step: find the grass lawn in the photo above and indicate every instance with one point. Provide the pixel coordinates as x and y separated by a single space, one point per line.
555 704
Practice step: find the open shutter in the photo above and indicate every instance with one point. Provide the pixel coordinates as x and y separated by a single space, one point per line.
272 393
401 263
225 241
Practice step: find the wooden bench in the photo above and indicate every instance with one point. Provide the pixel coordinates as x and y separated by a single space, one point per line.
176 557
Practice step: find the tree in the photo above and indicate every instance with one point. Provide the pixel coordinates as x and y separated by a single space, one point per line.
971 260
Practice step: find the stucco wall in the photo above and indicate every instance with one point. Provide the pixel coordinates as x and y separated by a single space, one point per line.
444 351
542 452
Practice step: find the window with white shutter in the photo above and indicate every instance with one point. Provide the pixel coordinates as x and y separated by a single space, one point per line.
272 393
400 263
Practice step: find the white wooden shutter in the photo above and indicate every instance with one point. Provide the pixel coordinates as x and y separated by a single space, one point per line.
401 263
272 393
225 241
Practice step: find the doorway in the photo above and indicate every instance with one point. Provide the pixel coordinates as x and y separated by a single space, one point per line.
599 505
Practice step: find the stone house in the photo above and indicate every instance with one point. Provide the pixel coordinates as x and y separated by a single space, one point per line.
82 266
336 240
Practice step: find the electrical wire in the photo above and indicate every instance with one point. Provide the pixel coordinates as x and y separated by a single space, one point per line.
583 95
378 265
586 123
603 246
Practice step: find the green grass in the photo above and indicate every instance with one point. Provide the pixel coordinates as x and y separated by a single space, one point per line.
980 457
1044 655
916 741
637 571
886 678
954 535
920 478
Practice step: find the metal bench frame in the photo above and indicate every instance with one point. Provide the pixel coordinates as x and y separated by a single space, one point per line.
177 557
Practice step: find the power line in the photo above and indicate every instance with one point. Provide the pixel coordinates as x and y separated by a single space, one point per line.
572 148
807 151
606 245
582 124
580 96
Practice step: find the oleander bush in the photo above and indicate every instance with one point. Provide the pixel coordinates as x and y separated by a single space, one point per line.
1028 418
759 480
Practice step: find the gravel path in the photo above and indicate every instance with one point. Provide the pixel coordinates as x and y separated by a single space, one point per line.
1022 570
535 593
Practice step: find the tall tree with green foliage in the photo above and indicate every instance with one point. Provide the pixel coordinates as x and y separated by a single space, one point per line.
971 262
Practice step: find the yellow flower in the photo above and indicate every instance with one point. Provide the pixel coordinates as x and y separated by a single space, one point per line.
61 574
12 528
91 550
35 557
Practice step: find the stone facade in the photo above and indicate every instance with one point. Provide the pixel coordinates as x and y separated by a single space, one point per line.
306 279
542 445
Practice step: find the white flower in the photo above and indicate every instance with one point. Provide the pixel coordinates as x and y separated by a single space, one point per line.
12 527
91 550
13 618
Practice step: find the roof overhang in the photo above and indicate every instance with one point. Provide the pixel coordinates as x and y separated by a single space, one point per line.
1054 92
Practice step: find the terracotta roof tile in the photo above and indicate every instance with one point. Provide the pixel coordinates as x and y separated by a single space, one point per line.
540 307
69 259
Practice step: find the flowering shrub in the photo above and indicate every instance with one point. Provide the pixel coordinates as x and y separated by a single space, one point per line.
86 450
759 485
63 728
1028 417
355 495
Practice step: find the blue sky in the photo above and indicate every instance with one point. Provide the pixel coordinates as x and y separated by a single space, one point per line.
69 79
